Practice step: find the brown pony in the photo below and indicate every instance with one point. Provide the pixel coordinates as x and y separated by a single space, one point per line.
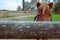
44 11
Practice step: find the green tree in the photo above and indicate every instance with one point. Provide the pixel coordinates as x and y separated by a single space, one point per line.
27 6
33 5
57 7
19 8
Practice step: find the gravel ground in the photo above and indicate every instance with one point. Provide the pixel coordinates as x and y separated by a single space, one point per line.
8 19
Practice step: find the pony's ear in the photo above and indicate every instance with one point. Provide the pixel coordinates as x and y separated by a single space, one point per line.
38 4
50 5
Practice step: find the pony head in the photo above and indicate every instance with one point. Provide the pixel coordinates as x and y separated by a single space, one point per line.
44 9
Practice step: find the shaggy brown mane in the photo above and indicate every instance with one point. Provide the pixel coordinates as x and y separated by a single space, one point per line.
44 11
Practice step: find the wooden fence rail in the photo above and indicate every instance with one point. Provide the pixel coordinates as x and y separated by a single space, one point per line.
29 30
6 14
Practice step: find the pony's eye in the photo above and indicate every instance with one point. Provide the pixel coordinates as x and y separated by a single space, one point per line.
41 9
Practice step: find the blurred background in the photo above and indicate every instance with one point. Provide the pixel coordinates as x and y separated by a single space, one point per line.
25 10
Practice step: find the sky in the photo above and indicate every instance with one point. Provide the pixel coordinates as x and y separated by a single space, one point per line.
11 4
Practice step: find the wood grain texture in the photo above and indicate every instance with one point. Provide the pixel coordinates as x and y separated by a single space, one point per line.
30 30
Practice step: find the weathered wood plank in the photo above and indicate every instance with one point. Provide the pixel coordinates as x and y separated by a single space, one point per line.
29 30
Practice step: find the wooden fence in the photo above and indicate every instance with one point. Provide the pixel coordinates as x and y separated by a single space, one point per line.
14 13
29 30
